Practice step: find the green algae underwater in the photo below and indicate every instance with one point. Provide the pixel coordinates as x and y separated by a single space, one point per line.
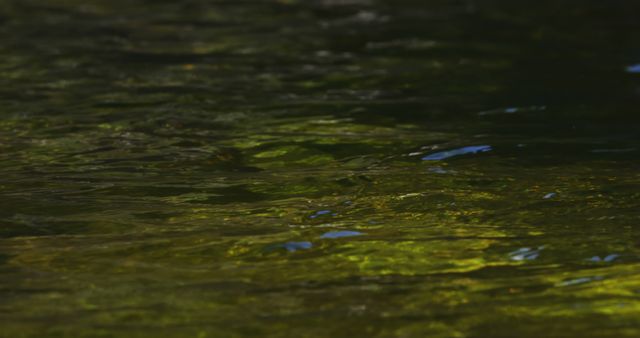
319 168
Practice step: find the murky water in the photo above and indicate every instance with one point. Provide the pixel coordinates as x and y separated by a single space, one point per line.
336 168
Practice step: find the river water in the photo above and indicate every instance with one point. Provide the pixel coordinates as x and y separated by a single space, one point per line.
327 168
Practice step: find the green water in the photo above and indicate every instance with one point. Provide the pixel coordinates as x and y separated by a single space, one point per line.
266 168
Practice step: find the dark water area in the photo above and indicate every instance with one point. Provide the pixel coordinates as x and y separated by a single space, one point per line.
329 168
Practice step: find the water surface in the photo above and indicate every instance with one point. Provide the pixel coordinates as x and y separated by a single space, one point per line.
335 168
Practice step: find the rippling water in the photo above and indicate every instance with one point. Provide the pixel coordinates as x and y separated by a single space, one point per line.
328 168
